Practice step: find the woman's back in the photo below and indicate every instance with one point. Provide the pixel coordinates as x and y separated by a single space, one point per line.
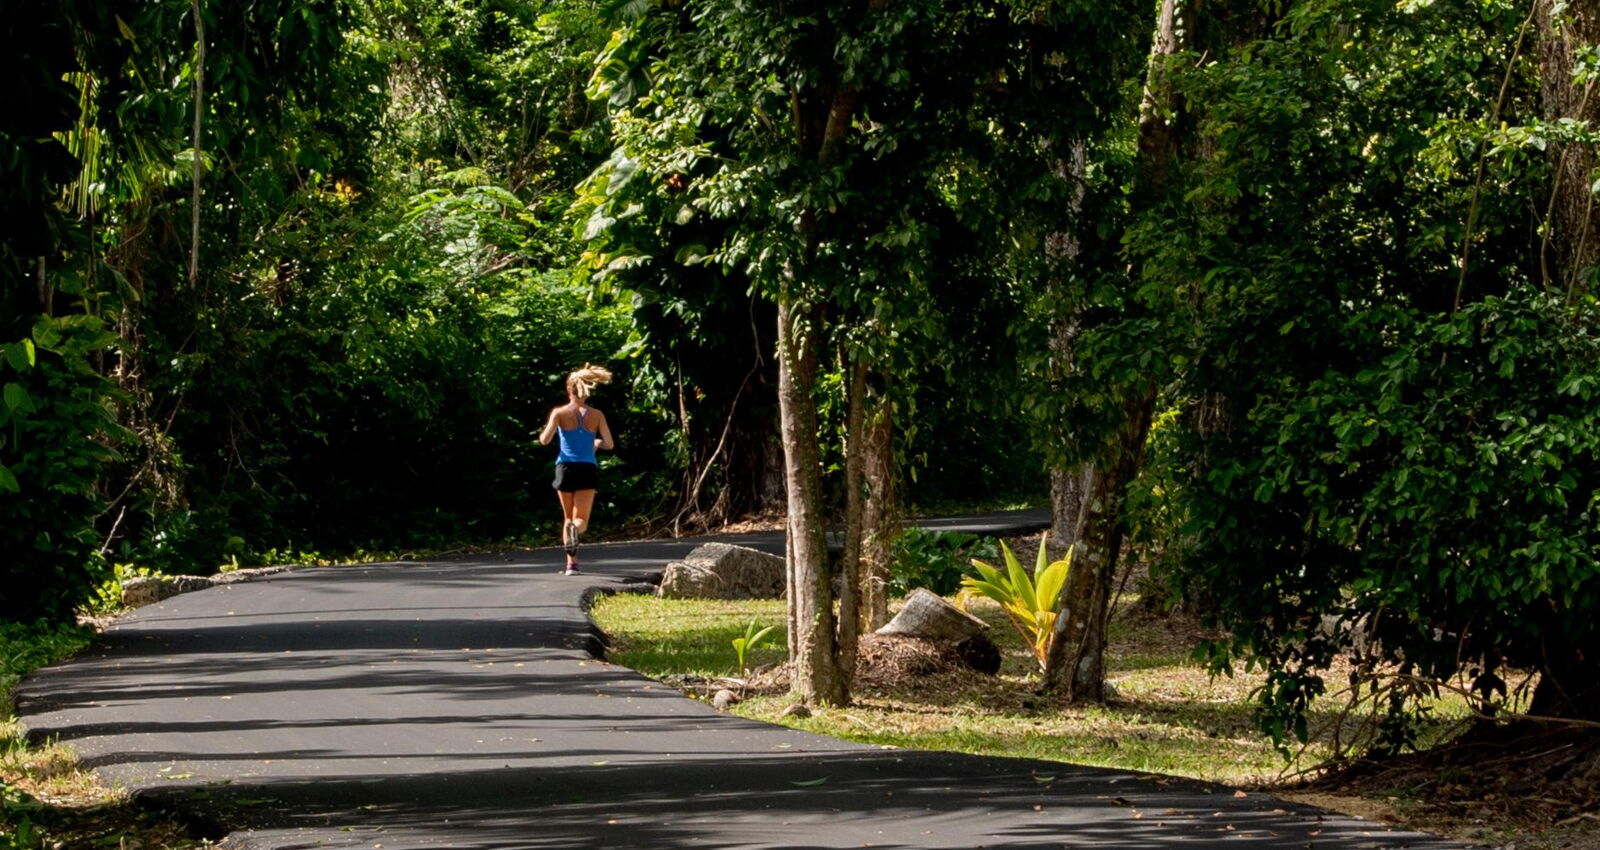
577 429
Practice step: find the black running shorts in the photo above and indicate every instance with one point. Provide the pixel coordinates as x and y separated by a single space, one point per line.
572 477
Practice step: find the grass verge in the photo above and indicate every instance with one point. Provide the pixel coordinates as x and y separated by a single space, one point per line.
1170 716
47 801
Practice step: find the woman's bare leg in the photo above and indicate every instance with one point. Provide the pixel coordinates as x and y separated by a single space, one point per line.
582 504
568 508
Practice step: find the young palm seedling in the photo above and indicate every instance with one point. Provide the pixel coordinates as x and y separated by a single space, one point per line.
1030 602
744 644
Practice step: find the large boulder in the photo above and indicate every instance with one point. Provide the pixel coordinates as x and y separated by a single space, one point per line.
723 571
927 615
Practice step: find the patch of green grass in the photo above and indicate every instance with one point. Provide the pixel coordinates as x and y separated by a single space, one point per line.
1109 737
25 647
1168 714
662 637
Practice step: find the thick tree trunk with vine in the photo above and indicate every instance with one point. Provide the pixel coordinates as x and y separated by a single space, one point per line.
1569 675
1062 249
1075 666
736 462
880 517
817 675
1570 249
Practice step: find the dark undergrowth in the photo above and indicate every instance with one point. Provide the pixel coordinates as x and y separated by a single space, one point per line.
1523 777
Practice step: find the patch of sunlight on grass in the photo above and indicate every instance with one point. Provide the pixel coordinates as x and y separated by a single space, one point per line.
660 637
1168 714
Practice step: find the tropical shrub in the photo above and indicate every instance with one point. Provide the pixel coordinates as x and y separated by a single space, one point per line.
1029 601
934 559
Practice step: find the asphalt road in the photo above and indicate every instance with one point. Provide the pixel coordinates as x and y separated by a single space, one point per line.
457 704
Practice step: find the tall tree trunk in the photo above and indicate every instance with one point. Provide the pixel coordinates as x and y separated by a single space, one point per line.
880 519
199 109
1075 664
1570 249
1062 249
817 676
1067 490
854 483
1569 675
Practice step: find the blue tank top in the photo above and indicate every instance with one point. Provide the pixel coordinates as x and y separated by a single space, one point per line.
577 444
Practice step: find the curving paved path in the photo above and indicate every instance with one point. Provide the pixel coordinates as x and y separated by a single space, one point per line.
457 704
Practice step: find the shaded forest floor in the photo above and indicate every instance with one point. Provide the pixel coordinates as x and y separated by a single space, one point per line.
1528 787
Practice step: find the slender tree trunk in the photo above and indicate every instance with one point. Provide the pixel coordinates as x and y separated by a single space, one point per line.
850 571
199 108
791 580
821 123
1075 664
880 518
817 676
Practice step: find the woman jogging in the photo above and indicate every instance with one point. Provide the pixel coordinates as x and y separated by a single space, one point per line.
582 429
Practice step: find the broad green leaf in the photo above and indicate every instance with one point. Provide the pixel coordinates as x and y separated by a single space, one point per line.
16 397
597 224
621 174
16 357
1050 581
1021 583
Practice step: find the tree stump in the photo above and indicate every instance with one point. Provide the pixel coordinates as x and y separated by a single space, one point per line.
927 615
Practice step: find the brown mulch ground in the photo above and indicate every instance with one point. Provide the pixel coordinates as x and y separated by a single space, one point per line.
1541 782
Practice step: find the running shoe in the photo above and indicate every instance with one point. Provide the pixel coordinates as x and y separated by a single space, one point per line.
570 539
571 570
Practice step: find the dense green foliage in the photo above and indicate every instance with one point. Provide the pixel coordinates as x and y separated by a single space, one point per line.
936 560
380 318
383 304
1365 431
1327 260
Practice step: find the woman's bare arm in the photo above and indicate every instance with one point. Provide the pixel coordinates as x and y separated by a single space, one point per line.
604 441
549 432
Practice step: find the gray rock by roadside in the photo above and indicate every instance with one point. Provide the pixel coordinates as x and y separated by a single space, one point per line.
140 591
723 571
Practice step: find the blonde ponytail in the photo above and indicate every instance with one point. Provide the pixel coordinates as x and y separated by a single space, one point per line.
581 382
